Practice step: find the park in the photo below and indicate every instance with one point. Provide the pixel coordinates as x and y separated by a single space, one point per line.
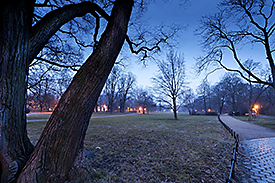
73 62
155 148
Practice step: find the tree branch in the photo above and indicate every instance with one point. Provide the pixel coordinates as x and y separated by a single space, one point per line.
145 49
242 75
75 38
43 30
73 67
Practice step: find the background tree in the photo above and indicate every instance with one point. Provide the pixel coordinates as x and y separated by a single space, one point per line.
219 96
144 99
112 88
189 100
169 82
26 27
126 83
255 67
204 91
267 101
237 24
58 78
236 92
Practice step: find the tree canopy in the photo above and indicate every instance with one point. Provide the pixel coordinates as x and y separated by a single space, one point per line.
239 23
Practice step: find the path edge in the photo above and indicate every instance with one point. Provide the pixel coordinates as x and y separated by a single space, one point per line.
235 150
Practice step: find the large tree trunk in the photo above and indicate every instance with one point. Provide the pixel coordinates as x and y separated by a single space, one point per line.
63 136
15 146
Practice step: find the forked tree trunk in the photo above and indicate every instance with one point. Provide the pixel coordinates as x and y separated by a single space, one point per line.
15 146
63 136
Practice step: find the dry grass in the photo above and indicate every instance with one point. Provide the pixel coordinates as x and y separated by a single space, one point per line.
46 115
32 116
156 148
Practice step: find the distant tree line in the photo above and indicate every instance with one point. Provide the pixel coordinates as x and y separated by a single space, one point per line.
46 85
231 95
120 93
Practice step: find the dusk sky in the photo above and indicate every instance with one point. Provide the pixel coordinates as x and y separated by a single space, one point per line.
169 13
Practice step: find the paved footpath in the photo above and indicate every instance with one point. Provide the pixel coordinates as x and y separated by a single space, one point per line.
257 150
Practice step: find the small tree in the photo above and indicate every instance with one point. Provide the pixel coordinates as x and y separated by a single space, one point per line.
236 91
189 99
126 83
256 67
111 87
204 91
169 81
267 100
144 99
219 96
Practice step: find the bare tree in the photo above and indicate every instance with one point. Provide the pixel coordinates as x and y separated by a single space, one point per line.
236 92
169 82
252 67
189 100
239 23
267 101
144 99
26 28
126 83
112 88
219 95
204 91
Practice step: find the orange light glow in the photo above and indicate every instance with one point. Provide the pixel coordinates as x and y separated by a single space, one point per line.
256 108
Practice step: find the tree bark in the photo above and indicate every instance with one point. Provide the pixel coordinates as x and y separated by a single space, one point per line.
122 104
63 136
175 109
15 146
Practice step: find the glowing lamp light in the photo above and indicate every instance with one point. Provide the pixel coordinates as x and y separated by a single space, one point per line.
256 108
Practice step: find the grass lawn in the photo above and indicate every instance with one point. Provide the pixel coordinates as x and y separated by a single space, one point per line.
31 116
265 122
156 148
47 115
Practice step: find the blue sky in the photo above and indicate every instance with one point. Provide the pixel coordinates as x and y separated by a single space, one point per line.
171 12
